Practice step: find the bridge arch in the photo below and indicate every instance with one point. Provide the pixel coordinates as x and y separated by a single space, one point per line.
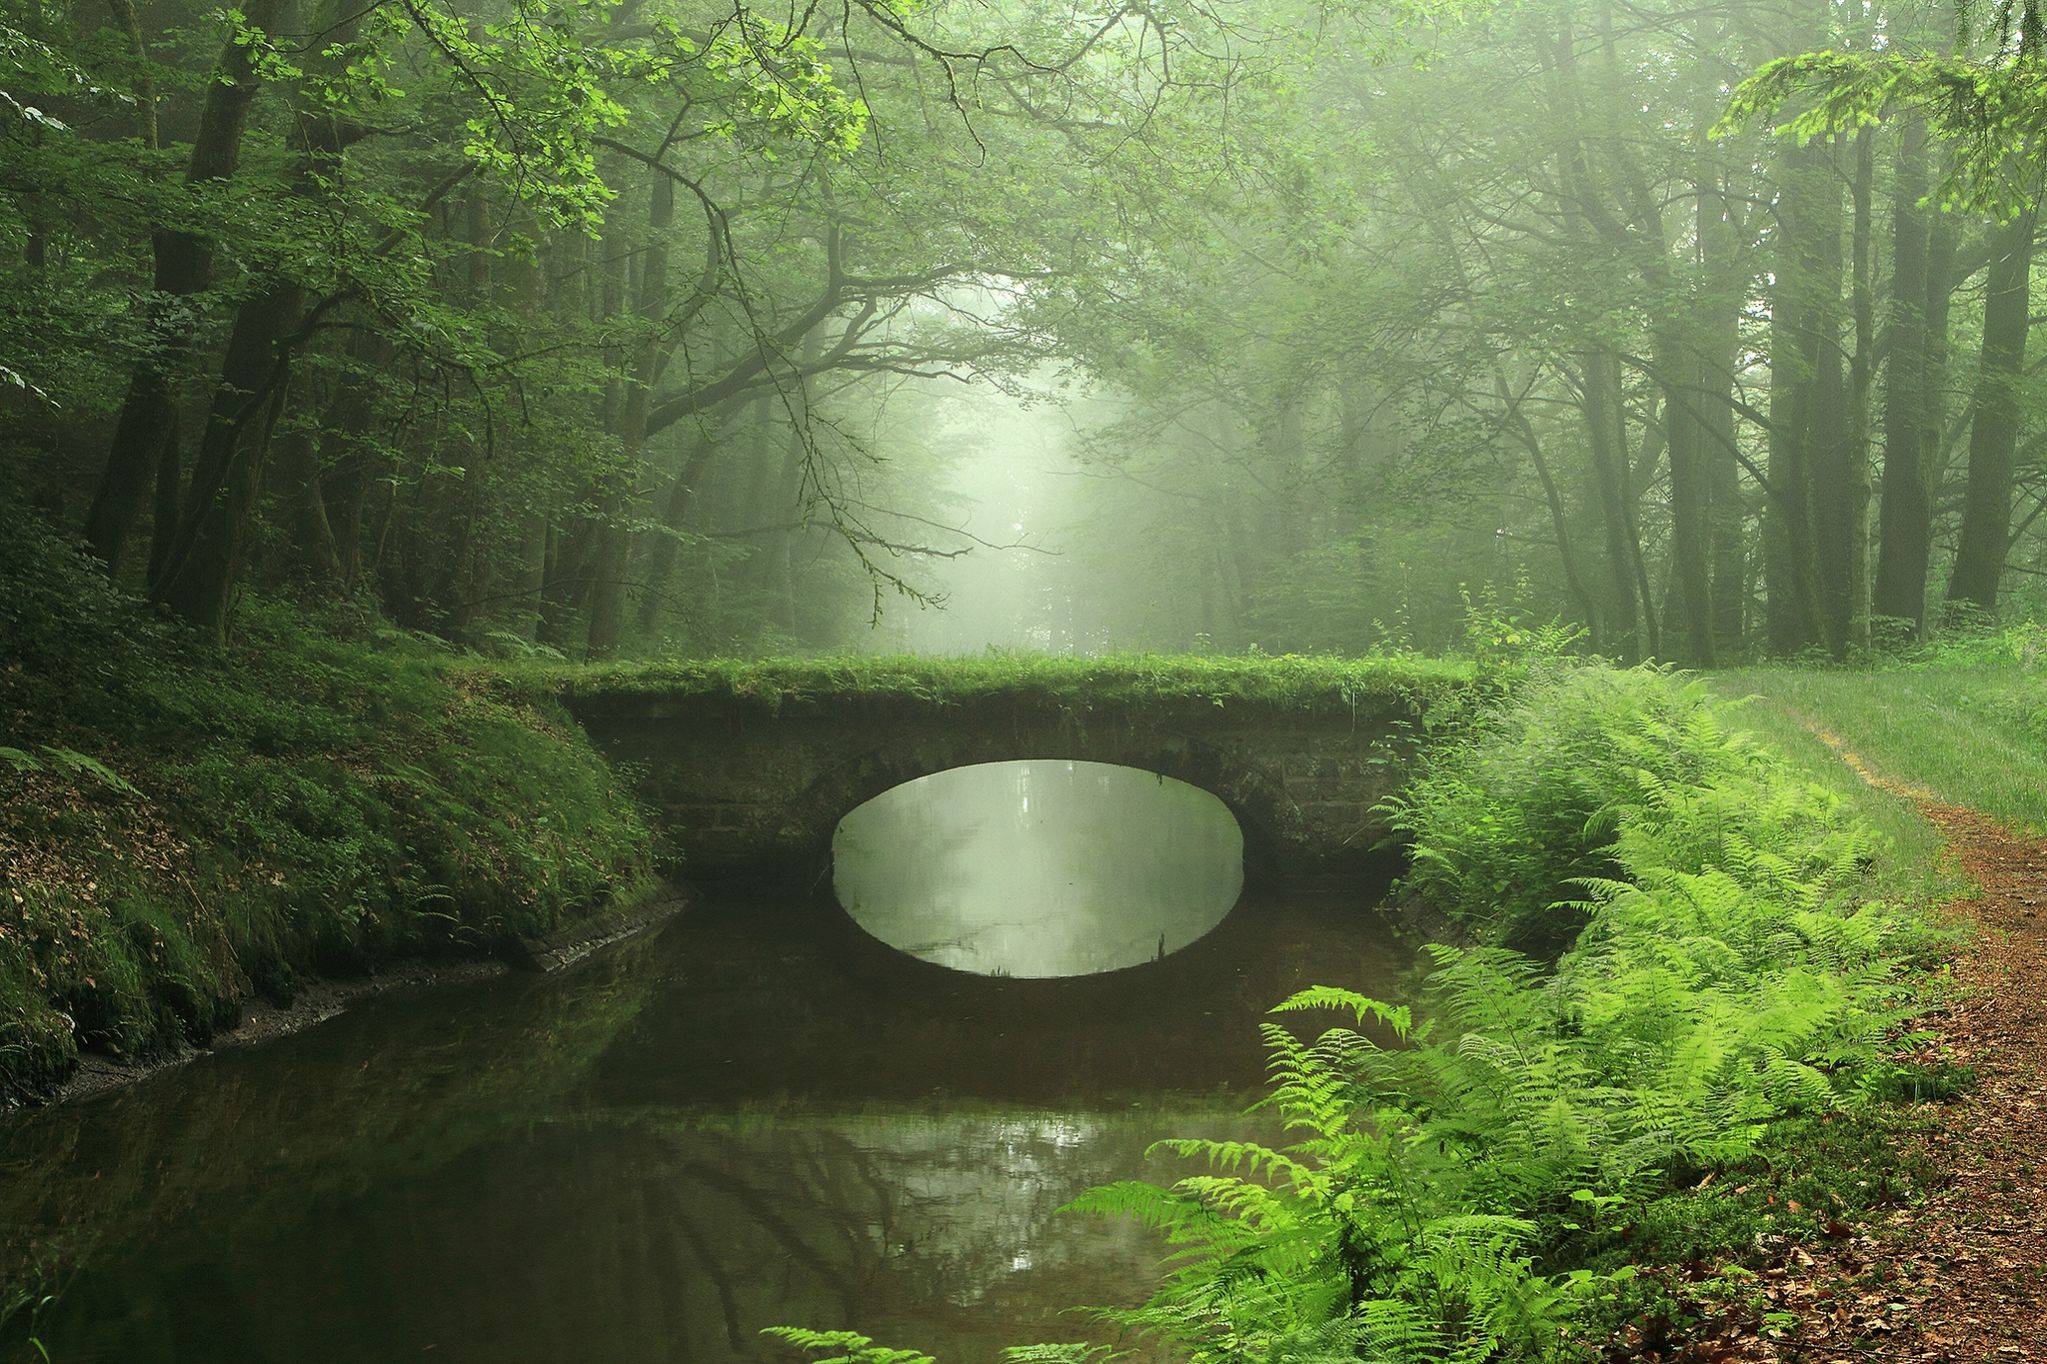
1254 792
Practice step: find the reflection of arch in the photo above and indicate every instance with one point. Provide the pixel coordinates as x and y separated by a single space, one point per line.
1256 796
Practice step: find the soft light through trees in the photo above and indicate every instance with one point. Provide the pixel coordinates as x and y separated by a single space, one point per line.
645 327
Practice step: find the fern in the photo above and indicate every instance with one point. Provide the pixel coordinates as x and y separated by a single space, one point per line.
1708 970
844 1347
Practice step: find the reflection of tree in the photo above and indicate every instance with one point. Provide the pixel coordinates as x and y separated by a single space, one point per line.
405 1084
941 1225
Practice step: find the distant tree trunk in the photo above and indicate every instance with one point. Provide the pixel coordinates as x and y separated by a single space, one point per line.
1861 378
792 498
564 557
1986 503
1830 425
312 556
664 544
1723 262
1632 633
1582 598
608 565
342 464
1904 507
1801 316
1690 525
471 560
183 268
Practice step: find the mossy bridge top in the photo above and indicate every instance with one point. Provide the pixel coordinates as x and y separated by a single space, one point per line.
749 767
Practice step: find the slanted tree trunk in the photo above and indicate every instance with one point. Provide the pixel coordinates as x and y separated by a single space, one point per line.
205 562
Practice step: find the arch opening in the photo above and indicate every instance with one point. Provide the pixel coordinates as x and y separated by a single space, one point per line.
1039 867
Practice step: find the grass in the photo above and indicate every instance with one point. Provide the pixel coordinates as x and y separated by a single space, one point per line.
1913 870
181 827
1289 681
1971 728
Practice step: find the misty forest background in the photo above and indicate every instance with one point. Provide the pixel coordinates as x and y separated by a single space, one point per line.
656 326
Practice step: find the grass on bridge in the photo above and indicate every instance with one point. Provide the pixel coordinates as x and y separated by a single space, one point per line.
1289 681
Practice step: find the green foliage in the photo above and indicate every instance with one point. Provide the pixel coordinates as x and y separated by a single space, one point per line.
177 825
844 1347
1451 1190
1990 112
1509 820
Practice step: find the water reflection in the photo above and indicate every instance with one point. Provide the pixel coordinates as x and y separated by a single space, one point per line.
1039 868
759 1116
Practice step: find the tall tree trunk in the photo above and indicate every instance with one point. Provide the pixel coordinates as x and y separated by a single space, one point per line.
205 563
1904 507
1801 315
200 575
608 567
1688 625
1861 378
1830 425
1632 633
183 268
1717 338
1986 502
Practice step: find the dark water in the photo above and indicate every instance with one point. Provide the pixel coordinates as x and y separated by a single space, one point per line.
758 1115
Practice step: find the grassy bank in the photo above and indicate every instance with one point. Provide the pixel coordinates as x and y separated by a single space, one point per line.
1967 720
182 827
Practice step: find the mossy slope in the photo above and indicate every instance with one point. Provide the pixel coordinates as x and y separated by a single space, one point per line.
180 827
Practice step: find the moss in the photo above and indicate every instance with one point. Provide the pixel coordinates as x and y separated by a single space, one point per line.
1292 682
180 826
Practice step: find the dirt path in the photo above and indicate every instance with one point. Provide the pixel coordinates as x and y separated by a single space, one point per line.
1962 1277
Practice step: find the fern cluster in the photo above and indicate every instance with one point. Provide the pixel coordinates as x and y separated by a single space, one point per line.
1446 1165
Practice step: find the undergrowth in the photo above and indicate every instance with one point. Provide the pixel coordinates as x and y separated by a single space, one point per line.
179 826
1486 1174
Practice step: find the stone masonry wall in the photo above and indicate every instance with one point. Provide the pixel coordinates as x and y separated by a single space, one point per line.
742 790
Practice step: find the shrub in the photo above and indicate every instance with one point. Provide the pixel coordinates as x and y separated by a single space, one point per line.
1508 819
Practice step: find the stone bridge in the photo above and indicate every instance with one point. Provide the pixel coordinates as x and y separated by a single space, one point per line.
739 788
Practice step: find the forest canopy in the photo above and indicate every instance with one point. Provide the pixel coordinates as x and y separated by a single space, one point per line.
651 327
